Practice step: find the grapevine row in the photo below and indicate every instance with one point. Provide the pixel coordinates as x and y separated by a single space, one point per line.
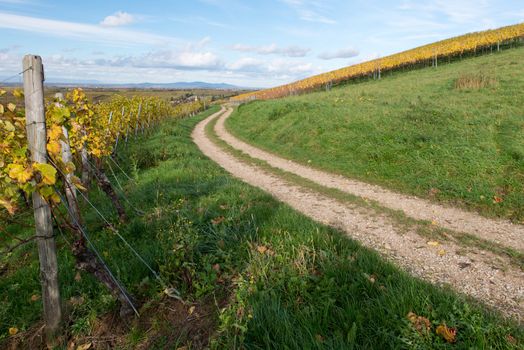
92 131
432 52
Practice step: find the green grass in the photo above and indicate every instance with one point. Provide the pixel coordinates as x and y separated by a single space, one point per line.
422 227
414 132
288 281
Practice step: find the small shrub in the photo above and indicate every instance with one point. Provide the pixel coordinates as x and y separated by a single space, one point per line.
475 81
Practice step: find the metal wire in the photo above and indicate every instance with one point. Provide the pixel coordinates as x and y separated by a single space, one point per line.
93 247
129 246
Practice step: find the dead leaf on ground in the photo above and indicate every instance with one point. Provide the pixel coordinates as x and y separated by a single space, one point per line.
217 220
511 339
448 333
35 297
497 199
433 243
441 252
261 249
191 310
85 346
78 277
421 323
13 330
371 278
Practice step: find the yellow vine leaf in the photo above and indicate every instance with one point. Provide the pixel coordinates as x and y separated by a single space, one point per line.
2 92
1 109
11 107
53 147
9 126
18 93
48 173
55 132
19 173
69 168
78 183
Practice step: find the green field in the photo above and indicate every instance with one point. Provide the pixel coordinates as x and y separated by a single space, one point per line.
260 274
453 134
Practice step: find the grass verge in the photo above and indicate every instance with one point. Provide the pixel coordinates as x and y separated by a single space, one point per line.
413 132
422 227
266 276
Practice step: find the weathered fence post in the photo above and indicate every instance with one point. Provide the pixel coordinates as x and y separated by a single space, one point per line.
37 139
70 190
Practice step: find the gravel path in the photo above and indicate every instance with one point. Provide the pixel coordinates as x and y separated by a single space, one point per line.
499 231
480 274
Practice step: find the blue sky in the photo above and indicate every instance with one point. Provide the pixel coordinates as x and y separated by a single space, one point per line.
247 43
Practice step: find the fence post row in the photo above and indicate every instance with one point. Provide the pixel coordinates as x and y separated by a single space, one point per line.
37 139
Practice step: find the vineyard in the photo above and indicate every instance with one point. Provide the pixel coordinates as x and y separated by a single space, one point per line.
53 152
379 215
428 55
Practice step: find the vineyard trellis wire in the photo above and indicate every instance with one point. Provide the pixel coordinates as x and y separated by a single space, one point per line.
73 134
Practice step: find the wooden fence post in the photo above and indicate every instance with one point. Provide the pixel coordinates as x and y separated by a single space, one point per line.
37 139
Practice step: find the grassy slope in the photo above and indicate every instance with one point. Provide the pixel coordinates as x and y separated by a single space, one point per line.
311 288
412 132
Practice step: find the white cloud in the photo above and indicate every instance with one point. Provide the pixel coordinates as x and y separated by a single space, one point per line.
80 31
246 64
342 53
311 10
289 51
118 19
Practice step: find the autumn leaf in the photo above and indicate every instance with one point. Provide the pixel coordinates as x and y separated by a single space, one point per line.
191 310
421 323
497 199
11 107
8 205
218 220
35 297
9 126
13 330
48 173
2 110
449 334
85 346
53 147
20 173
433 243
54 133
18 93
261 249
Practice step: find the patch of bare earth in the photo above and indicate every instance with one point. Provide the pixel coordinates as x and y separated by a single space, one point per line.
483 275
166 324
499 231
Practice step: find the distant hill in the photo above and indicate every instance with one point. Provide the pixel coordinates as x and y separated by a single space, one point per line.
177 85
188 85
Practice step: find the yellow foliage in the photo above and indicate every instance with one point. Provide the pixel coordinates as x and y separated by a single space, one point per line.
20 173
48 173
